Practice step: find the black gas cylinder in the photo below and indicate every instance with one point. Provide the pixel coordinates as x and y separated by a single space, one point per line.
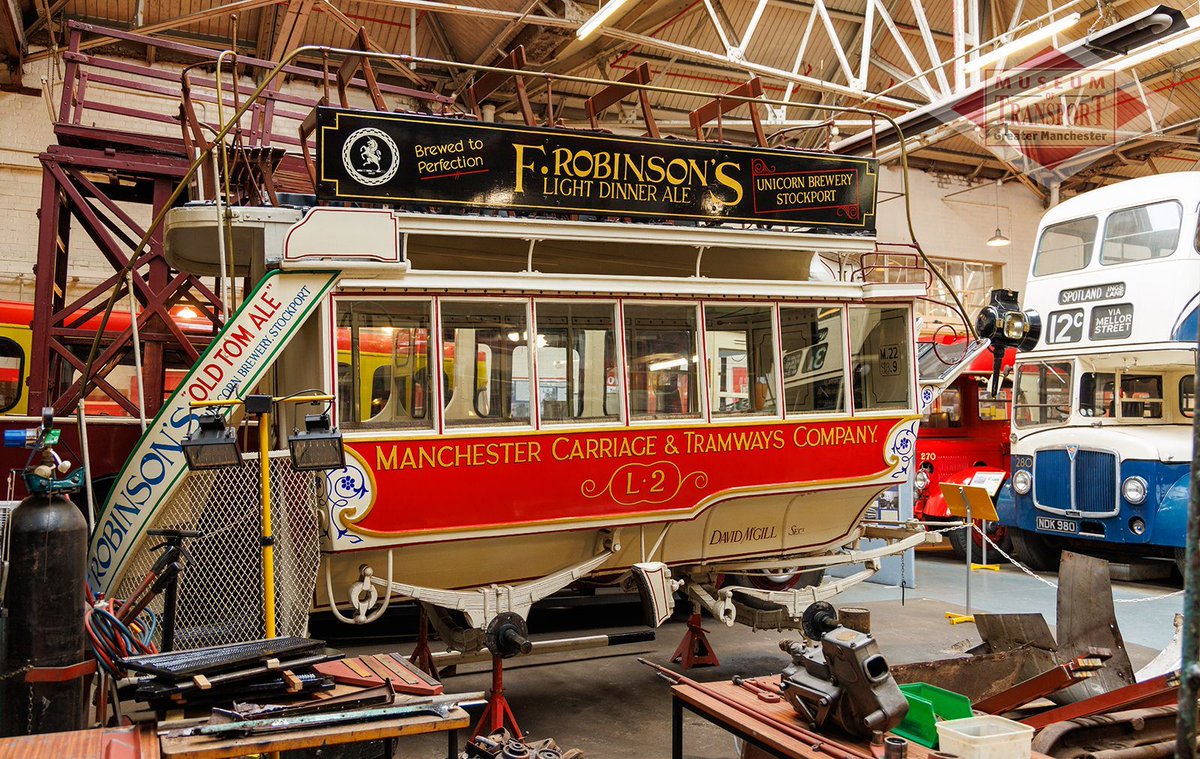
45 599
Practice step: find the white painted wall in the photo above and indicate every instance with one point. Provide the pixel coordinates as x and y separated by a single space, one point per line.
959 227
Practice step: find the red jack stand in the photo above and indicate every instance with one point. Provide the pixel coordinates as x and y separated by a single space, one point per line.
694 650
422 656
497 710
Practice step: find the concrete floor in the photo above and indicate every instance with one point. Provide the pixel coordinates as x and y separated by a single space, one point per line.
610 706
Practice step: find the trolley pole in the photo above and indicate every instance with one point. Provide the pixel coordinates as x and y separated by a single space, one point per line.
1185 737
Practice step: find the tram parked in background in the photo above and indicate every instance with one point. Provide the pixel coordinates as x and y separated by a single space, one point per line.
1103 405
107 419
640 361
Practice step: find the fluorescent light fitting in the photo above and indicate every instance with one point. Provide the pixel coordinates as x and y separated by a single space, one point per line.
1034 37
600 18
1153 52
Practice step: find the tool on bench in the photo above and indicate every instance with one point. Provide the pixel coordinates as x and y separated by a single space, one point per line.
815 741
843 679
383 695
758 689
436 705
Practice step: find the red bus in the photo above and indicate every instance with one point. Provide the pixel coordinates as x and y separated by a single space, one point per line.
965 430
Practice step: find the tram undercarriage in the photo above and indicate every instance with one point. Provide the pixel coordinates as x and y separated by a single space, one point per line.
358 587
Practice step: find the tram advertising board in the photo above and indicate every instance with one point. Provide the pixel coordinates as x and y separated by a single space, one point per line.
424 161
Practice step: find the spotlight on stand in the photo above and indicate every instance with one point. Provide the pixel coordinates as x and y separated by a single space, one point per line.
1004 323
317 448
213 446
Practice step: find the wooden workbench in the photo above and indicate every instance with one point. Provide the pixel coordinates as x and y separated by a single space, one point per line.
757 732
202 747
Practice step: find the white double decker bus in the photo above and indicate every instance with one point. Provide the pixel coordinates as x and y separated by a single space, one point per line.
1103 405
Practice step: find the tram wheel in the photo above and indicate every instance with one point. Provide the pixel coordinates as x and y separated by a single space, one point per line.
997 532
1037 551
1181 561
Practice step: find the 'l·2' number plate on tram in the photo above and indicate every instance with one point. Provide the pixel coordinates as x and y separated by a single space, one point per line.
1057 525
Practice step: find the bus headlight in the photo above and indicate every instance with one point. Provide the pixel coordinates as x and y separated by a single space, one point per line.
921 481
1021 481
1134 490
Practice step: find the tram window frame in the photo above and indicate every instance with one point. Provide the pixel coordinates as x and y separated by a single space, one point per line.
424 421
860 358
1087 248
696 389
1018 388
809 357
761 398
1106 239
1185 393
5 343
492 384
612 403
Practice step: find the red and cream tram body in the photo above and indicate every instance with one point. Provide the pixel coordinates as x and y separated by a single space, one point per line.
581 354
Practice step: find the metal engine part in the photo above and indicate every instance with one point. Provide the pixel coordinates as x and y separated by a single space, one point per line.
508 635
843 679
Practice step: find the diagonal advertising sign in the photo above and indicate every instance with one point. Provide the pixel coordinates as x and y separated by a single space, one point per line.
230 368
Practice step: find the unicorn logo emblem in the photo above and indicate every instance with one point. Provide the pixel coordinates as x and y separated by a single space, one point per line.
370 156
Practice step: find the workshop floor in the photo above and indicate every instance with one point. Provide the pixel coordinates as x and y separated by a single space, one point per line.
607 704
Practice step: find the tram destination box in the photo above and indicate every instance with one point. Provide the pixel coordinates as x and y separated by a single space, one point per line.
431 162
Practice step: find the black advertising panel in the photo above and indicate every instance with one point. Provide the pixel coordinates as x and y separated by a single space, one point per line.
425 161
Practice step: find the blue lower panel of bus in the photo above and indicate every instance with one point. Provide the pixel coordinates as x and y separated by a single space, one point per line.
1160 520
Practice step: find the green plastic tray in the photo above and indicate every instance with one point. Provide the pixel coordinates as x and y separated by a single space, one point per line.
928 705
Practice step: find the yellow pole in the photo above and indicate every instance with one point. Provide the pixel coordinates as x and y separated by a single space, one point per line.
268 541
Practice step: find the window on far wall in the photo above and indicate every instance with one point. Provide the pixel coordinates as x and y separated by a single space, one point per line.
971 280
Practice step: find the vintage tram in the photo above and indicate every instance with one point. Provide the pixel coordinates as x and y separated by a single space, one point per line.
555 354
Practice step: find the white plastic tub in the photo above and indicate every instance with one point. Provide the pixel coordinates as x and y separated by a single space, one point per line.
985 737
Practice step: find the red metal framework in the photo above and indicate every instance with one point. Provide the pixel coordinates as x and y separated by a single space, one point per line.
104 181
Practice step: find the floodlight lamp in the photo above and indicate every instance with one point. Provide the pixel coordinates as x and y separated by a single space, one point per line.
212 446
318 447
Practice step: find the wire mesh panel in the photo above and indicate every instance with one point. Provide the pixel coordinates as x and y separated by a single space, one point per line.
220 592
6 510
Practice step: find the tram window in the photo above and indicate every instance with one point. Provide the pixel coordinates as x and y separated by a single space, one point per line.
945 412
813 369
994 409
486 366
12 368
1043 393
384 356
881 354
660 342
577 361
1142 233
1065 247
740 348
1187 395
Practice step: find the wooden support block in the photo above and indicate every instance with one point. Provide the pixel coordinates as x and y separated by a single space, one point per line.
272 664
292 682
201 682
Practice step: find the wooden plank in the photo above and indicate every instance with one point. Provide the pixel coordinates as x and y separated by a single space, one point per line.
201 747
